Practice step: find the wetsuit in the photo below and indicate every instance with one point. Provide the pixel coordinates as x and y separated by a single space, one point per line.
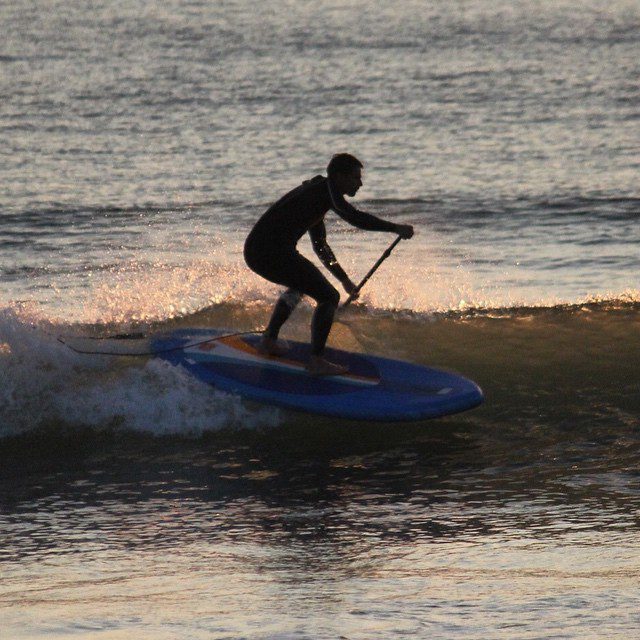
270 250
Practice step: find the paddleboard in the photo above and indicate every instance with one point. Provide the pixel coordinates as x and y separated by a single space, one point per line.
374 388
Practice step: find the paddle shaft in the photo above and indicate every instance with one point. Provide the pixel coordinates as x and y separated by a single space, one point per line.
373 269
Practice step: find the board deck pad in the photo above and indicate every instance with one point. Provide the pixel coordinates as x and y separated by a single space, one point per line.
373 388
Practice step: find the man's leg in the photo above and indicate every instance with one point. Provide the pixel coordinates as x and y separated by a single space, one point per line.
327 299
309 281
320 328
287 302
321 323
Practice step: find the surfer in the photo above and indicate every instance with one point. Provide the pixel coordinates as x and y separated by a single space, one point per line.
270 250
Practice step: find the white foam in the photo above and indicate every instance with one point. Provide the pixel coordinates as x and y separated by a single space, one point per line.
43 383
161 399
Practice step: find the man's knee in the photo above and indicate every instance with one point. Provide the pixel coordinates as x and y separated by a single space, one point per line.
330 298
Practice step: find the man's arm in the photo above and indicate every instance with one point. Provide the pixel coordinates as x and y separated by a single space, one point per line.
318 235
363 220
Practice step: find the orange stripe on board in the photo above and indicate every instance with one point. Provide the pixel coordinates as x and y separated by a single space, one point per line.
236 342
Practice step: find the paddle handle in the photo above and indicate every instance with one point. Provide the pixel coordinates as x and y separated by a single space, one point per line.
373 269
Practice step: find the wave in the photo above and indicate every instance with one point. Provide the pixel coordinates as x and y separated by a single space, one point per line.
575 364
560 204
473 205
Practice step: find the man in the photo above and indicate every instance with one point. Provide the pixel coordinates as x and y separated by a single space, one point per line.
270 251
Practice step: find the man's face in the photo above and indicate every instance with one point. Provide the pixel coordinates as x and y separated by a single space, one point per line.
350 182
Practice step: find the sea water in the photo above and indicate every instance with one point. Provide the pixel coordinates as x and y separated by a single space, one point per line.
141 140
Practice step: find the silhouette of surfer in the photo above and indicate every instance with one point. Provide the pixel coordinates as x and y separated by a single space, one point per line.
270 250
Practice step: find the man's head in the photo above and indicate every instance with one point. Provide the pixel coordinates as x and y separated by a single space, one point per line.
345 171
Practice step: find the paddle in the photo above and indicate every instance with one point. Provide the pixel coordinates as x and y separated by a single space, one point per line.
381 259
342 328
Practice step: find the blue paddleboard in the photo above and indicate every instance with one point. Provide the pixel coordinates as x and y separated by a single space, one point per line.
374 388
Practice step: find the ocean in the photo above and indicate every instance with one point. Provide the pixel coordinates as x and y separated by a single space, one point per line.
141 141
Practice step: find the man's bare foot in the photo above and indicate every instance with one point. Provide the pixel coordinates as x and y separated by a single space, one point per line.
270 347
318 366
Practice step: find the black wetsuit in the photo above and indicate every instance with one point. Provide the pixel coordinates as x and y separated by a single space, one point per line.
270 250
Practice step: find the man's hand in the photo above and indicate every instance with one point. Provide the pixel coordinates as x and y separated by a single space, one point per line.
405 231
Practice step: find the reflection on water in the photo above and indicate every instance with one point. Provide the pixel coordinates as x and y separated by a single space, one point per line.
354 531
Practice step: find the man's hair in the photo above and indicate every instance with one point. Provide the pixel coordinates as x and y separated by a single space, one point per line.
343 163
